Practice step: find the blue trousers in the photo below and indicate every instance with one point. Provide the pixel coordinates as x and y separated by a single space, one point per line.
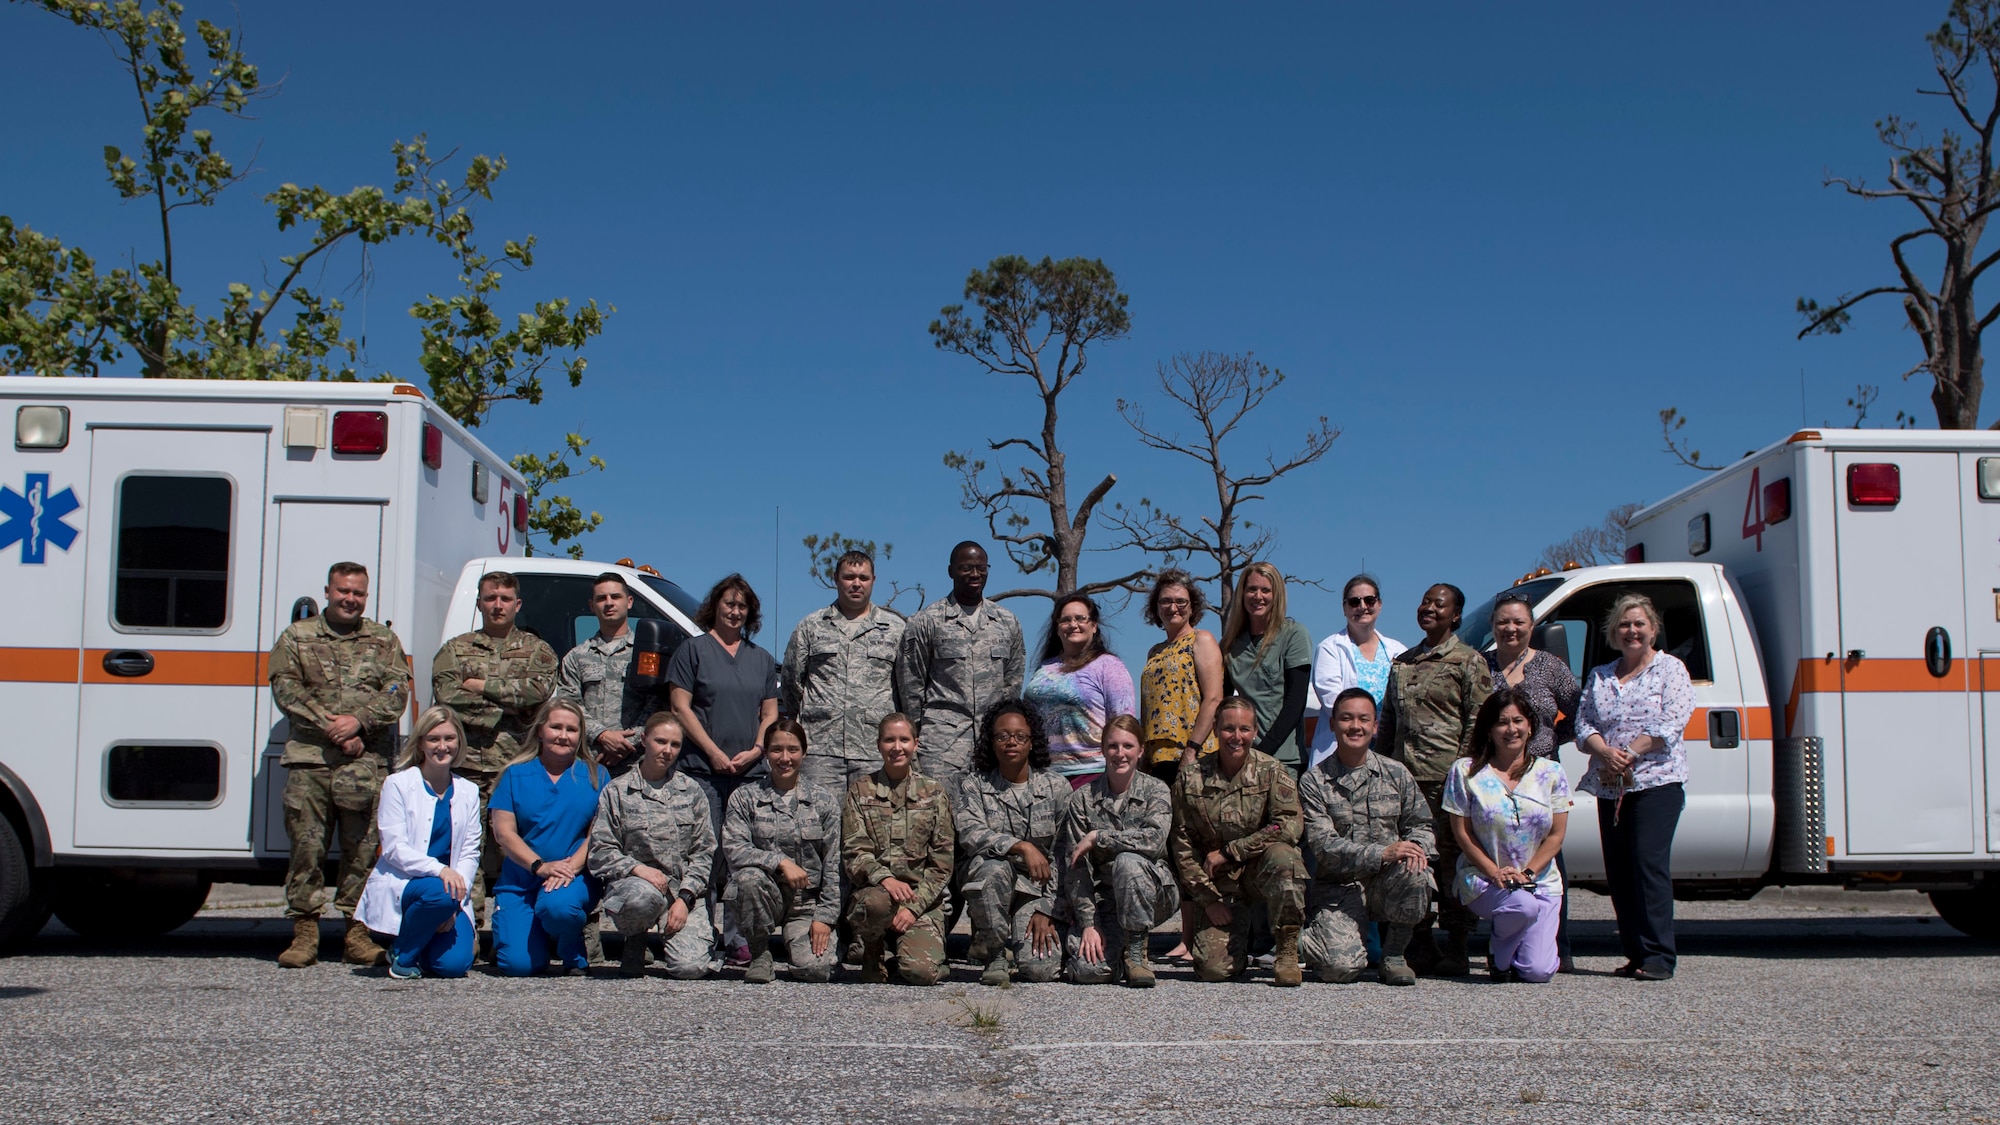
426 906
527 919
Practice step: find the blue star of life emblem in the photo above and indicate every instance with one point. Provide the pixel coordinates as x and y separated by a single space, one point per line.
35 519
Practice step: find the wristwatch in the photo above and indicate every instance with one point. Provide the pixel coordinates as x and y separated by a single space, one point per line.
535 868
687 898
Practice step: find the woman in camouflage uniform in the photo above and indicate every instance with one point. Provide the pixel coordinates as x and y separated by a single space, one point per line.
1007 811
781 840
1117 885
896 843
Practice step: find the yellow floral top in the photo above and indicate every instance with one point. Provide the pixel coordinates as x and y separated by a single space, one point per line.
1170 700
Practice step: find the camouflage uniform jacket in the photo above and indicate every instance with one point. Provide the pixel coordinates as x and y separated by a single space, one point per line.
1427 714
318 672
759 830
1353 815
666 829
1138 821
520 674
954 665
902 830
1238 816
994 814
594 674
839 679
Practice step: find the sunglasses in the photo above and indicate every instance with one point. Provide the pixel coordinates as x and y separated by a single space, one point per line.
1368 600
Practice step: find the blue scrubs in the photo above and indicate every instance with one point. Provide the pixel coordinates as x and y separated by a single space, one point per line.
553 818
428 905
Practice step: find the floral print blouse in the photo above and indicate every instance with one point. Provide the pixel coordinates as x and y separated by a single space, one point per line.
1658 701
1170 699
1508 825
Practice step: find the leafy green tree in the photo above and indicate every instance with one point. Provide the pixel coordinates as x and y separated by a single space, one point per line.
61 315
555 518
1036 321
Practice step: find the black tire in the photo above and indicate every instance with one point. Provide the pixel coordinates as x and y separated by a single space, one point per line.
115 905
24 907
1974 913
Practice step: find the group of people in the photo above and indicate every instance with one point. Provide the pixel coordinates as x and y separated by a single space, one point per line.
890 773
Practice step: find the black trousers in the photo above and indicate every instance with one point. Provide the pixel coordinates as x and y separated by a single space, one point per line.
1638 863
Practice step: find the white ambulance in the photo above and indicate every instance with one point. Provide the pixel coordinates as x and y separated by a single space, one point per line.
155 537
1836 597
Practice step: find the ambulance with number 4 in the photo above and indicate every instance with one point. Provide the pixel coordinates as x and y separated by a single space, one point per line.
1836 598
155 538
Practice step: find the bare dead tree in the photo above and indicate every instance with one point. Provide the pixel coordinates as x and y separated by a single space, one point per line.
1951 183
1594 546
1036 321
1218 391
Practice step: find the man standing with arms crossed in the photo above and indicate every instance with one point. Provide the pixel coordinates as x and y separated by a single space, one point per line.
961 655
495 678
593 673
838 677
343 682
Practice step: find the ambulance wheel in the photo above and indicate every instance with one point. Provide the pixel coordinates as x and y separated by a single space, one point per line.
127 906
1974 913
24 899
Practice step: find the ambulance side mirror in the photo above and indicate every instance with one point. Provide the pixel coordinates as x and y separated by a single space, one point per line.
653 640
1551 637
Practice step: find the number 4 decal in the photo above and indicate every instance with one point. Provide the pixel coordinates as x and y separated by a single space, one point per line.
1753 509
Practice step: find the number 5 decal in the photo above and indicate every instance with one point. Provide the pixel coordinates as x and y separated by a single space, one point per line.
1753 509
506 532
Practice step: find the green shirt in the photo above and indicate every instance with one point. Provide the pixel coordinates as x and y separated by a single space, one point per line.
1260 678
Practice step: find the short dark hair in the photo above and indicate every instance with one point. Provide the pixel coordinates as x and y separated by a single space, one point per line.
501 579
1052 645
785 725
1352 693
964 543
1483 723
854 558
607 576
344 568
704 617
1174 576
983 758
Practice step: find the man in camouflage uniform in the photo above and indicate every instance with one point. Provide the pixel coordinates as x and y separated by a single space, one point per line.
1434 693
763 830
1368 830
961 654
652 845
839 676
1235 843
496 678
343 683
1002 827
898 829
1121 884
594 673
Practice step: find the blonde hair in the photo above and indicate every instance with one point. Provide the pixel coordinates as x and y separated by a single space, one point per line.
1625 604
1128 723
437 716
661 719
1237 703
531 747
1239 619
893 717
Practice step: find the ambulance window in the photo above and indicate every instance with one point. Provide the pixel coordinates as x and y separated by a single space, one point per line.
556 608
173 552
1679 604
163 775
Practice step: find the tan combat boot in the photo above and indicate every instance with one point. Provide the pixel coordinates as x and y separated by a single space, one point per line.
873 971
1394 969
1138 971
1285 973
359 948
304 949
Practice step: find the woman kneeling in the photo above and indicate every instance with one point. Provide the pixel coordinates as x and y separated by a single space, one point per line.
541 808
781 840
1118 885
896 843
653 846
429 825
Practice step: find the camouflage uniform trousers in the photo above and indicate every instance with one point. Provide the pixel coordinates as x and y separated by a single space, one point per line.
761 904
635 906
1142 895
1338 913
919 950
835 774
319 800
1000 914
1277 880
1451 914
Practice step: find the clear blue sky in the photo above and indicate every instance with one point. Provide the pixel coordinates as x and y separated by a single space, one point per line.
1489 242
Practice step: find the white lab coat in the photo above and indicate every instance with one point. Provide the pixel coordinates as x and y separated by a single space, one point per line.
1334 672
403 820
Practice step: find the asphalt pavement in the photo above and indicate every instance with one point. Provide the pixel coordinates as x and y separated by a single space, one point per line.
1795 1006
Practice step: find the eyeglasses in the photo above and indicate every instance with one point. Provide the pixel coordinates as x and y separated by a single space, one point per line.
1173 603
1011 737
1081 620
1369 600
